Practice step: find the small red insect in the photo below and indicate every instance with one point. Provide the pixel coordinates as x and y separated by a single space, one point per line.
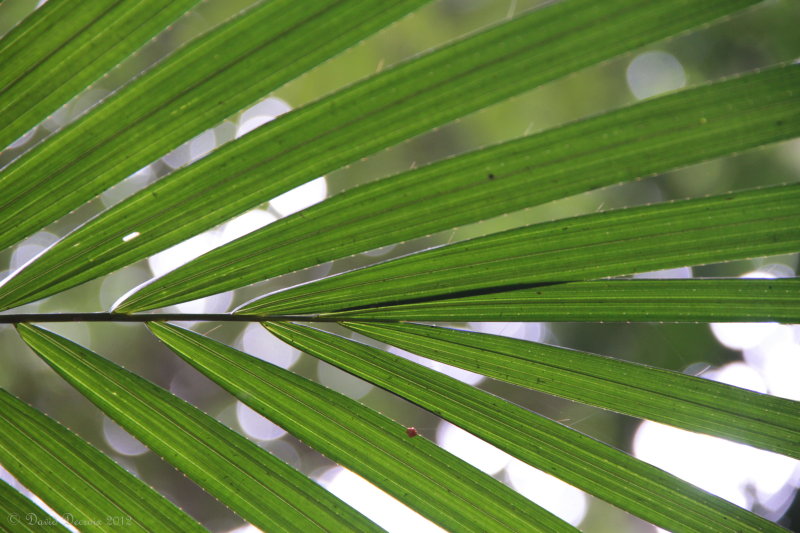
411 432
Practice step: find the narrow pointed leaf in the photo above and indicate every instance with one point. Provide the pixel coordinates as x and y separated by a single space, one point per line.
414 470
597 468
61 48
18 511
653 136
623 241
77 480
664 396
252 482
381 111
640 300
194 89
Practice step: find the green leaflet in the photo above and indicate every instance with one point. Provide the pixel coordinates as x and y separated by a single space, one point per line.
623 241
253 483
383 110
599 469
414 470
18 511
75 479
649 137
643 300
59 50
195 88
664 396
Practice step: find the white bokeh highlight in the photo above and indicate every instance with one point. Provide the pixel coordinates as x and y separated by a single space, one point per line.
465 376
258 342
194 247
561 499
473 450
120 440
256 426
752 478
653 73
375 504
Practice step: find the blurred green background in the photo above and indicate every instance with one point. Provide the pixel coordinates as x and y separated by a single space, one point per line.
752 39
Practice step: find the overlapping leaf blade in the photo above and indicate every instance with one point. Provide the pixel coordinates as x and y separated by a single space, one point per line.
381 111
59 50
17 510
586 463
197 87
644 300
75 479
252 482
664 396
413 470
624 241
649 137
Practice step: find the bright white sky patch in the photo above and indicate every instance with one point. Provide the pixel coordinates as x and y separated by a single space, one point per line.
471 449
561 499
741 336
741 474
300 197
375 504
183 252
470 378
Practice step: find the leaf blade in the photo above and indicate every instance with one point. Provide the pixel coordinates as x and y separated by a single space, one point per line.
673 398
61 44
16 508
623 241
376 113
75 478
180 98
584 462
415 471
649 137
252 482
634 300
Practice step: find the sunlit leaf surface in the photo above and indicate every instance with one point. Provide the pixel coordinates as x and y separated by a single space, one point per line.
413 470
689 232
563 452
75 479
646 138
376 113
252 482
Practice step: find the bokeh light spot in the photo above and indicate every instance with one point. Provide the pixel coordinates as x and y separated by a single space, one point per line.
655 72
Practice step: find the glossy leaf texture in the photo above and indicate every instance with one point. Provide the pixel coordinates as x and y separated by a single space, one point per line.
378 112
668 397
588 464
611 243
252 482
643 300
75 479
416 471
640 140
59 50
251 55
